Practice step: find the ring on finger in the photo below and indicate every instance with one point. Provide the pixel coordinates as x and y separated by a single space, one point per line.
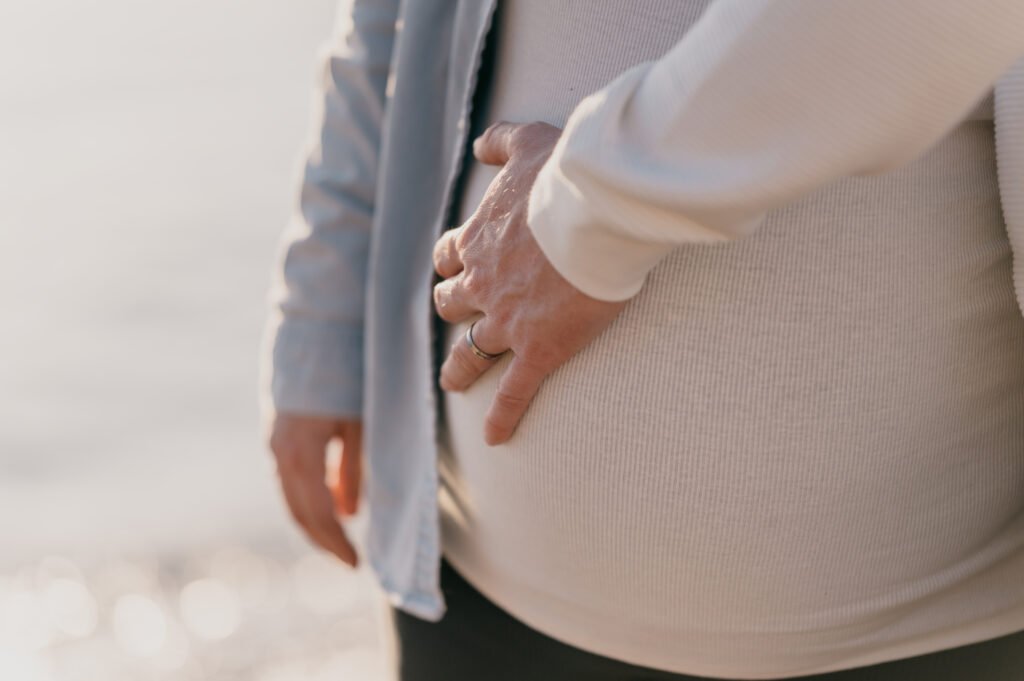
476 349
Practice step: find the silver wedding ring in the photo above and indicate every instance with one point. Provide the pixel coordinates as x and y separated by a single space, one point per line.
476 350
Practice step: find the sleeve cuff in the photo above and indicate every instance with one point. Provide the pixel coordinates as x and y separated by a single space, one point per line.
315 368
603 264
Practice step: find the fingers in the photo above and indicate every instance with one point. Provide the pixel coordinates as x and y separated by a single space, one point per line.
300 448
451 300
306 515
462 367
346 492
516 390
447 261
494 145
498 143
294 502
318 513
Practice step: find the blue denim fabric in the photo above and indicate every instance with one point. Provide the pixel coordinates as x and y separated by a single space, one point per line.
353 296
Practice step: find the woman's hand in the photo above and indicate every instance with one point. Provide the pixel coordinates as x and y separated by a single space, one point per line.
314 494
492 265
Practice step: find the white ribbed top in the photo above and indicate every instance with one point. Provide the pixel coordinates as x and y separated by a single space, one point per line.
799 452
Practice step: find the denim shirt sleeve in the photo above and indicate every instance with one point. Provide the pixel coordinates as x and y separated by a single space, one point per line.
313 340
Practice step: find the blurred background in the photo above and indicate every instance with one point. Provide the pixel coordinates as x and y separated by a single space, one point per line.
148 158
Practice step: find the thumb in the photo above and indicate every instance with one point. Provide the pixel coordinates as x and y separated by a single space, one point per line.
346 493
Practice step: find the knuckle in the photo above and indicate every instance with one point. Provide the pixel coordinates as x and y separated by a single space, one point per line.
500 318
528 137
493 129
476 285
522 135
517 139
535 356
541 130
521 132
460 241
508 399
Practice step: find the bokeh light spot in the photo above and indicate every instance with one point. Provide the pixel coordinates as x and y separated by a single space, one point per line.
23 624
210 609
140 625
70 607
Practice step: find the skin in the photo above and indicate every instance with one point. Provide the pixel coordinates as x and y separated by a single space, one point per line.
493 270
492 266
316 496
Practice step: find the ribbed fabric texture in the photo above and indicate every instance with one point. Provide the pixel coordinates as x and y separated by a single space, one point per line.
764 102
1010 138
795 453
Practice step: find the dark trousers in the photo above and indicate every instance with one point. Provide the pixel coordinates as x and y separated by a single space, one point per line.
478 641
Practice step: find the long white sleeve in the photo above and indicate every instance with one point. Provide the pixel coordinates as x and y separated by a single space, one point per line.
761 103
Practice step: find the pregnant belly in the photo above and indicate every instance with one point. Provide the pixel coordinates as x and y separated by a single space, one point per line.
779 433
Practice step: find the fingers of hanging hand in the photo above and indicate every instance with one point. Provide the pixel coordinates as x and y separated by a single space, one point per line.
346 488
301 467
320 519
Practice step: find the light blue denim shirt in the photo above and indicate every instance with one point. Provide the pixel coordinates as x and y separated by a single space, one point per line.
353 292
